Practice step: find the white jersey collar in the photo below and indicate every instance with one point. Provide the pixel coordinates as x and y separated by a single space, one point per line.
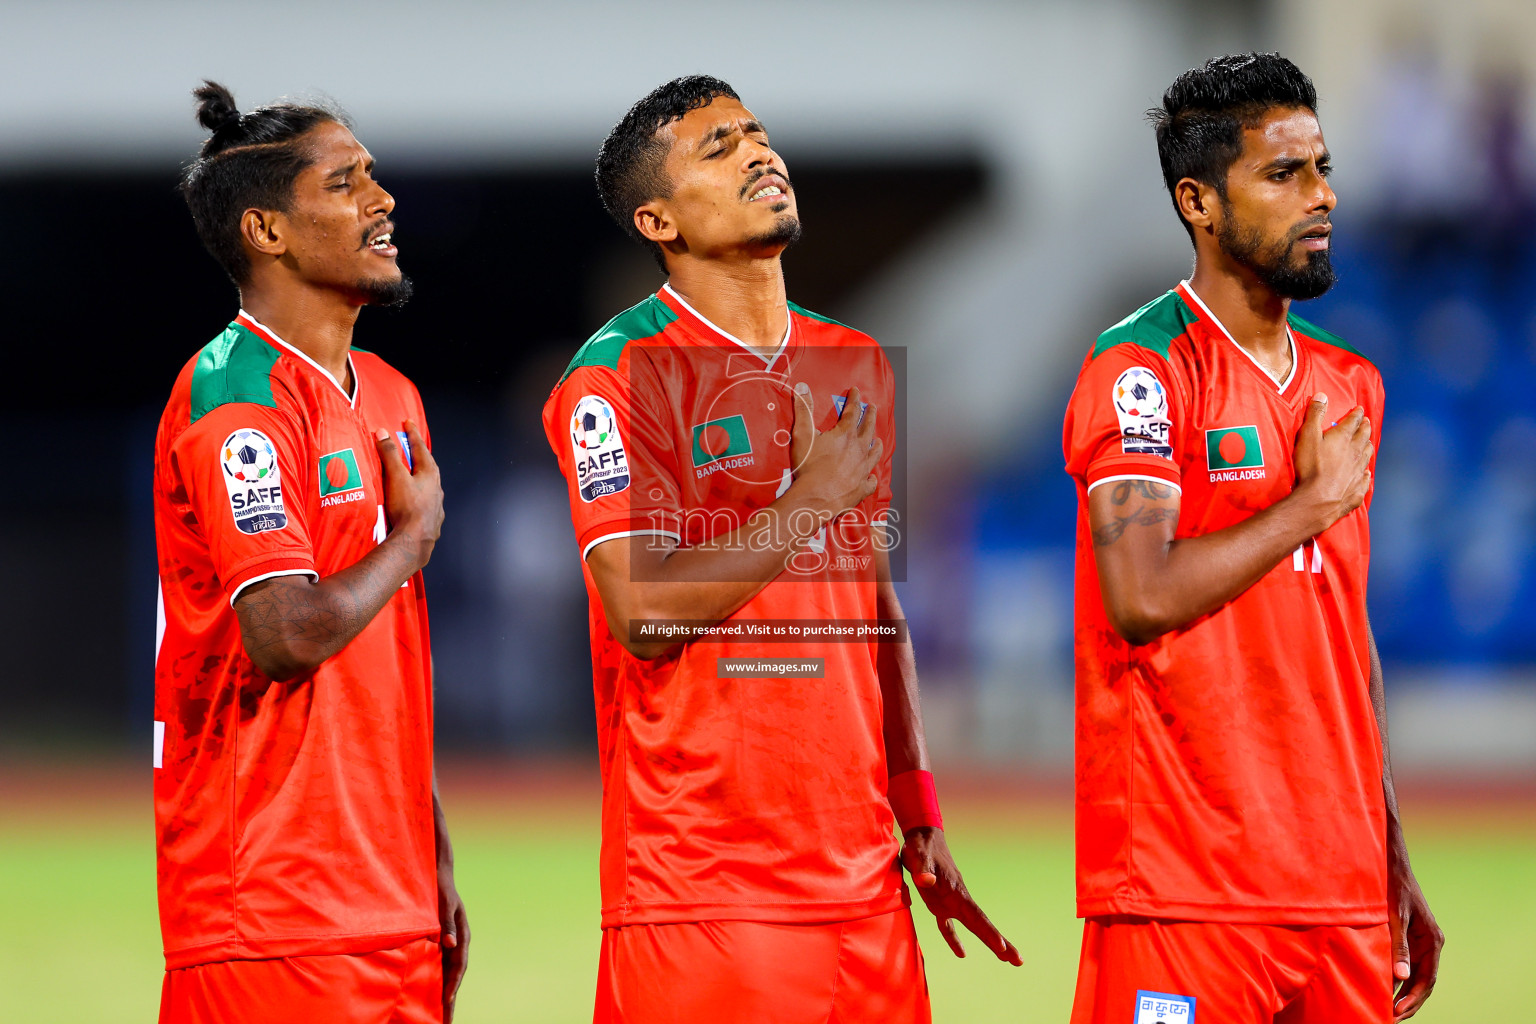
1295 360
268 334
768 360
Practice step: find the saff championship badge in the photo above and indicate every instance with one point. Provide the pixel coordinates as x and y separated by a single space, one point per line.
597 449
1141 404
253 481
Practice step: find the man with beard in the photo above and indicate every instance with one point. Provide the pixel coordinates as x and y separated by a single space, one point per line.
751 774
1238 844
305 871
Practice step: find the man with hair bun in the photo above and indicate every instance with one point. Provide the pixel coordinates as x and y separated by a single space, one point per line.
1239 854
305 872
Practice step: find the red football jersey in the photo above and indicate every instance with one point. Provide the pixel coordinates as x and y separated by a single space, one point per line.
293 818
730 797
1229 770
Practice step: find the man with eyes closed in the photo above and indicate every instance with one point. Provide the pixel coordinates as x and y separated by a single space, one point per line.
305 871
728 458
1239 853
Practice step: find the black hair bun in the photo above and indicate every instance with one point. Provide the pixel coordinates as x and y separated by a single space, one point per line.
215 106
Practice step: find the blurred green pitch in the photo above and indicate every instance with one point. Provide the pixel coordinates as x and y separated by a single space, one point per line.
79 940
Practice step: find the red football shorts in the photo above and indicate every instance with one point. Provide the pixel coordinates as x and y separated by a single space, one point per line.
725 972
1139 971
393 986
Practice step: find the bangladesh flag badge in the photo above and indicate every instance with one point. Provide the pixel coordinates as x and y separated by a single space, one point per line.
338 473
1233 448
720 439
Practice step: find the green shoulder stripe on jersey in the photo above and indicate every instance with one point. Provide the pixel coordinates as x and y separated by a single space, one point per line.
1311 330
816 316
364 351
645 319
1153 326
234 367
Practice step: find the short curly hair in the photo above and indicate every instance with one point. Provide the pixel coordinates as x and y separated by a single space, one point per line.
1200 124
630 163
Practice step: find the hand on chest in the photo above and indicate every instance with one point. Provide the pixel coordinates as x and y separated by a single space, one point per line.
737 423
736 427
1239 440
348 518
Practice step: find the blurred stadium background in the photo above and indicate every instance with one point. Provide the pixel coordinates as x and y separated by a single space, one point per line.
978 188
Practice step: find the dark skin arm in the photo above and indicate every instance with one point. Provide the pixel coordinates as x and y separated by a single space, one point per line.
450 911
651 578
289 625
1416 938
925 851
1153 584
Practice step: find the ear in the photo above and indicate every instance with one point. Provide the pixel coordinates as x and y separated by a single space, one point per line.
264 231
1198 203
655 224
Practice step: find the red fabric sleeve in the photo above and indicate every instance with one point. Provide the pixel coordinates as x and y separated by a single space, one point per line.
243 470
616 453
1124 419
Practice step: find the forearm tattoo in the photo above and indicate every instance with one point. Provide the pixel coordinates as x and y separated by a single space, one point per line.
274 617
1141 515
1149 489
321 618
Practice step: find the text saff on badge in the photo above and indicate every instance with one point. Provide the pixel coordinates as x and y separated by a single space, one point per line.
253 481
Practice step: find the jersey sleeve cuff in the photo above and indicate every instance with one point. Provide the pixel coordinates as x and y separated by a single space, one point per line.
269 569
649 526
1134 467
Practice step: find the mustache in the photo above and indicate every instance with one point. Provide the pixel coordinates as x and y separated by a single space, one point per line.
761 173
375 230
1307 225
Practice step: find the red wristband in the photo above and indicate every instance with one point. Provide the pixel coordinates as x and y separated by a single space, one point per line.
914 800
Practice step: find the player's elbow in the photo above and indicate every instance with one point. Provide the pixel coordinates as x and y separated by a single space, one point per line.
631 622
1135 632
631 633
1138 620
646 651
281 662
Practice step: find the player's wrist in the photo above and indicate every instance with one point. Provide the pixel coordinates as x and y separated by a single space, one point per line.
409 539
804 513
914 801
1316 510
1397 851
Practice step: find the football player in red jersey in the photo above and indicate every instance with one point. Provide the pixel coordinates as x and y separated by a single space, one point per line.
1239 852
305 871
728 456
